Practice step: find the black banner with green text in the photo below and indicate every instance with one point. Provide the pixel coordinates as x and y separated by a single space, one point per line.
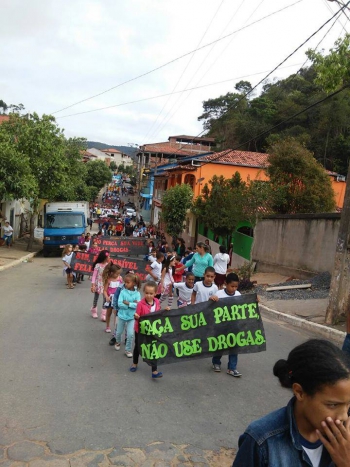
230 325
82 263
123 245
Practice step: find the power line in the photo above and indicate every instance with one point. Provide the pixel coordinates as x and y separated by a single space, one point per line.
279 124
213 63
184 70
169 115
283 61
170 93
176 59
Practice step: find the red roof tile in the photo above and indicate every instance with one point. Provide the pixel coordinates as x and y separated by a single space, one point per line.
173 149
242 158
111 150
4 118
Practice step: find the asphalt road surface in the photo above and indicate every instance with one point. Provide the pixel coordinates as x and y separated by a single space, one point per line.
63 385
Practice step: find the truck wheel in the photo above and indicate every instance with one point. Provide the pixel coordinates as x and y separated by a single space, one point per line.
45 253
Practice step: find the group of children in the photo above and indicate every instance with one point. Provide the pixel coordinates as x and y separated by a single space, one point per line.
122 299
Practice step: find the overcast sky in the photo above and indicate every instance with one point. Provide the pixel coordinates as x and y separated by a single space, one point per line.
56 53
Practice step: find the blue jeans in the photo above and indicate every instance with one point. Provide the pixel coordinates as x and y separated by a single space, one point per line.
232 361
346 344
7 239
129 332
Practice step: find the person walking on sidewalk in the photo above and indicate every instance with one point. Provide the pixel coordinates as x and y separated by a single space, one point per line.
8 232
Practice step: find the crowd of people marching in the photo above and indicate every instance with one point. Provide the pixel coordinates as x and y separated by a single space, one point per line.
191 275
313 429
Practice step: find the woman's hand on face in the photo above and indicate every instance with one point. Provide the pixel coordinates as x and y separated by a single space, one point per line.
336 440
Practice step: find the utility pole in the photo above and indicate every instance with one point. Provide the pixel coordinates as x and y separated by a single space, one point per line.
339 295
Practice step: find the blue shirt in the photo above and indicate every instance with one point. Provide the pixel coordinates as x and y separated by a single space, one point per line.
274 441
200 263
126 312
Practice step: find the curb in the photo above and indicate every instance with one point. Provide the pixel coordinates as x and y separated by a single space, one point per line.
19 261
320 329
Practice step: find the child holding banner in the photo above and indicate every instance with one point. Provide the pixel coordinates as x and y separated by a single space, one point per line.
111 280
231 283
185 290
149 304
97 282
314 428
127 302
206 289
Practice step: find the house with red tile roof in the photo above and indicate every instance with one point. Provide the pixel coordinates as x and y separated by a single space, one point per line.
118 157
177 147
196 171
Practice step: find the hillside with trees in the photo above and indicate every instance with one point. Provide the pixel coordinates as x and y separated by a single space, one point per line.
237 118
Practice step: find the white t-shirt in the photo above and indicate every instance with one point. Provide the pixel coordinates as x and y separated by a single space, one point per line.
313 450
8 230
67 259
223 294
221 261
204 292
152 259
156 270
168 278
185 293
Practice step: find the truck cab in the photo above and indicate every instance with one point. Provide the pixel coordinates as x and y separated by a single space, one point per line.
64 222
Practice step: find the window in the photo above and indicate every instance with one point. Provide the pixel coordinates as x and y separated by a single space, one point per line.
190 180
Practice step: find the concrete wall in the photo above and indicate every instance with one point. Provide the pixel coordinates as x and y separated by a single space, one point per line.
296 244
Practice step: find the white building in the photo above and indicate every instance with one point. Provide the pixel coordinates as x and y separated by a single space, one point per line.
118 157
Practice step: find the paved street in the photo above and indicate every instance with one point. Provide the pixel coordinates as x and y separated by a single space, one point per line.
66 394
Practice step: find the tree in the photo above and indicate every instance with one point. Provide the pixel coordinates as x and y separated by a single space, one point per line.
3 106
98 174
332 70
299 183
50 161
221 204
175 204
16 179
236 120
113 166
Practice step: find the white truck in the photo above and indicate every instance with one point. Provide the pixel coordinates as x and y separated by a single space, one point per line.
64 222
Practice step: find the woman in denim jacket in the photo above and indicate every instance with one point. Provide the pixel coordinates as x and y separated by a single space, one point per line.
314 429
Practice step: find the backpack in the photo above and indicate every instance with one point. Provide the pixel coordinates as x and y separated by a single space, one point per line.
116 296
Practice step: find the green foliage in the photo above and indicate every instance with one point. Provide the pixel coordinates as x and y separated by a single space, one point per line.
113 166
332 70
98 174
226 202
299 184
235 121
3 106
41 162
16 179
175 204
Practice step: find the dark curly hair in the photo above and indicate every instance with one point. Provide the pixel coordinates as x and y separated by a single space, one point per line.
313 364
